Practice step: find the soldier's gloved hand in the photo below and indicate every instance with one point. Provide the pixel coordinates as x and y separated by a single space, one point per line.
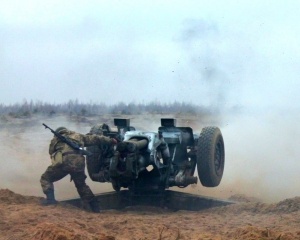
113 141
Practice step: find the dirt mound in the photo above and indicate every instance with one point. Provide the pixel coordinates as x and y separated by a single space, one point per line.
253 205
8 196
286 206
243 198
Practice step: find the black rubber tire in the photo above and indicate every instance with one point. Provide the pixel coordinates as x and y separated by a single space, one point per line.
210 156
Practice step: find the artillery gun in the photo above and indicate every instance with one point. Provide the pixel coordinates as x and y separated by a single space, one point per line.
146 161
145 164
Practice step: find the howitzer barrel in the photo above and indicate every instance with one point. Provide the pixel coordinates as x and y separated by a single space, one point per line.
132 145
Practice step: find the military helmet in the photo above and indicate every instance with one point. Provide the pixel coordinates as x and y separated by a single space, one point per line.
100 128
60 129
105 127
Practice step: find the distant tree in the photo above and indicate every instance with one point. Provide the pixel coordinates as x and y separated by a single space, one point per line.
74 107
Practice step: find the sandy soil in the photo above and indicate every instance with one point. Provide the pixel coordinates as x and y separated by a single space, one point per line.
269 210
23 218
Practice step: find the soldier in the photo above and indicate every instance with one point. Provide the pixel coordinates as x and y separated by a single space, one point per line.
66 160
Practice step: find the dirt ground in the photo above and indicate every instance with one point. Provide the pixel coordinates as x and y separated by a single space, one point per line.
23 218
269 210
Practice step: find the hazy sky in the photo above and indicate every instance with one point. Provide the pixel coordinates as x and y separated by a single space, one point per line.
216 53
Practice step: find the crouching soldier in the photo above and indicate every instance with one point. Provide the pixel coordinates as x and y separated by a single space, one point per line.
66 160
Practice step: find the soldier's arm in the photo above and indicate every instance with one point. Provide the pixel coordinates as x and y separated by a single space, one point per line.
93 139
52 145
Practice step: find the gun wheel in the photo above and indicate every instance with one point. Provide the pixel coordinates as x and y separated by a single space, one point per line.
210 156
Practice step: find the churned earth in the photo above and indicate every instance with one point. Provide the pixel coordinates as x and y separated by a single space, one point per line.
23 218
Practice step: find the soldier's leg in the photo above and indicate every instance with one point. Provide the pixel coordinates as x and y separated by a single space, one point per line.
88 198
51 175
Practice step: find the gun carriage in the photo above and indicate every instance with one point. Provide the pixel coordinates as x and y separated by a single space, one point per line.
146 161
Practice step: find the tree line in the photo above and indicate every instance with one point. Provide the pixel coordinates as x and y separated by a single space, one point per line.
74 107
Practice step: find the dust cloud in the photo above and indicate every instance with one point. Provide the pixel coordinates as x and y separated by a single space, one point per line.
261 157
261 154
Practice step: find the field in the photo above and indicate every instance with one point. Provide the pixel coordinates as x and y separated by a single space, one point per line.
266 208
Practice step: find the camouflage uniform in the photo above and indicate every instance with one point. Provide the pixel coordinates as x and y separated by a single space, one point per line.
66 160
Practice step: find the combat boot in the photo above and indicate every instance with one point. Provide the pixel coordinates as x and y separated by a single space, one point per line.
91 206
95 205
50 198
